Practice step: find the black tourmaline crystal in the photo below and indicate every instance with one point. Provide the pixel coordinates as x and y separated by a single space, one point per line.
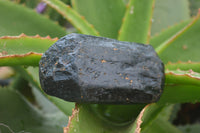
90 69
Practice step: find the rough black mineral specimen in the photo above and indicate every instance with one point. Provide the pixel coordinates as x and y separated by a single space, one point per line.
89 69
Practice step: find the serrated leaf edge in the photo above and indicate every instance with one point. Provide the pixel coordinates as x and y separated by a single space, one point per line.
74 113
189 73
165 29
181 62
166 43
21 55
183 66
26 36
139 120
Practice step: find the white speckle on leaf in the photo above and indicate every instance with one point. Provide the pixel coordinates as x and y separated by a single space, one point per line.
131 11
191 72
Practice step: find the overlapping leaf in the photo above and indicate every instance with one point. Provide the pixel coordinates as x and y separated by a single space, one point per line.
185 84
109 14
83 118
22 117
136 26
23 50
194 66
181 45
17 49
17 19
168 13
151 117
181 87
73 17
32 75
170 93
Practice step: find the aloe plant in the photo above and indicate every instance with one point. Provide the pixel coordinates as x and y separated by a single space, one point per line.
25 35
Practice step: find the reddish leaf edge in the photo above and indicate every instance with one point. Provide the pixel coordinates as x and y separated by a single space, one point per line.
189 65
21 55
139 119
21 59
75 112
17 59
179 77
26 36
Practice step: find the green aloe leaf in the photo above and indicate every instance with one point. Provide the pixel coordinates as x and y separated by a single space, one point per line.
17 19
73 17
28 76
147 115
181 87
168 111
64 106
161 126
84 120
31 74
193 128
158 39
29 59
109 14
118 114
23 117
17 49
182 77
146 121
183 45
23 44
23 50
136 26
50 104
152 116
169 12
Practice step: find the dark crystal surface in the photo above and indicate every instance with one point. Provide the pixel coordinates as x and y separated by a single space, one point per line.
89 69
